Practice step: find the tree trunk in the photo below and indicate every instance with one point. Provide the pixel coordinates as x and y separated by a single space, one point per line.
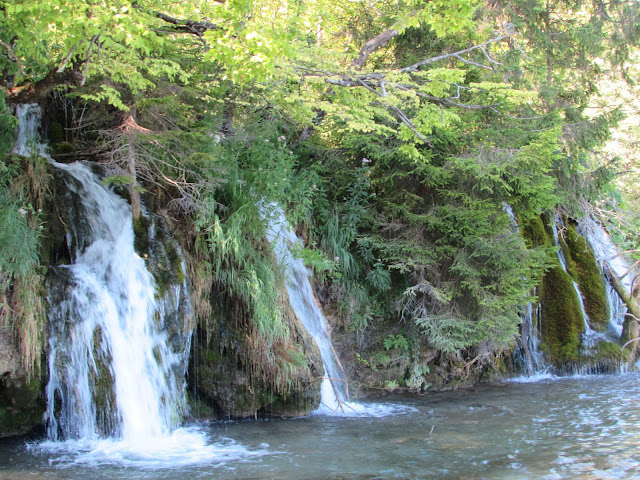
631 327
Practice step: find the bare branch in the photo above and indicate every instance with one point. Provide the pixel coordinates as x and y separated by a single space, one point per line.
66 60
510 32
491 60
409 123
88 59
471 62
196 27
371 89
373 44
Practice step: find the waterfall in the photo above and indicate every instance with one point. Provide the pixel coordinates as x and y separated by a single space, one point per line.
110 327
334 396
607 254
334 389
118 346
528 350
589 338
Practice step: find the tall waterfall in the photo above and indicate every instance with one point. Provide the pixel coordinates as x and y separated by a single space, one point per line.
118 347
107 338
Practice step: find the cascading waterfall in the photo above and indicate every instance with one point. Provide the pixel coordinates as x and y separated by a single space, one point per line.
334 396
114 322
334 389
116 381
607 255
589 338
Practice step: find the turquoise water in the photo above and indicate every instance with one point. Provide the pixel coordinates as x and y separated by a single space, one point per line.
578 428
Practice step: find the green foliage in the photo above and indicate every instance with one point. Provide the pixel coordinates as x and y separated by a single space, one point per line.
396 342
118 180
19 241
21 300
416 379
400 193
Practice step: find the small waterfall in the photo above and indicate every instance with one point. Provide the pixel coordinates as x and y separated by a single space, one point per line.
532 358
334 393
607 255
589 338
118 347
334 389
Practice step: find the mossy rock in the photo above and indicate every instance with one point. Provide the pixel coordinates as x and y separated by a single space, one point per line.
535 233
582 266
562 320
62 148
611 352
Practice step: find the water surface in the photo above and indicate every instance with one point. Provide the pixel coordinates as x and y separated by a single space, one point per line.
578 428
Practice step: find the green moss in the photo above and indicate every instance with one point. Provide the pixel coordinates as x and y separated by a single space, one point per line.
561 317
61 148
141 236
611 352
535 233
583 268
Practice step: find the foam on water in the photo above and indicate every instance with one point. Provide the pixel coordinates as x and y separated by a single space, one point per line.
533 378
182 447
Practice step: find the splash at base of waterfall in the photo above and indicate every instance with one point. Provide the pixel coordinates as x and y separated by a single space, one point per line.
182 447
354 409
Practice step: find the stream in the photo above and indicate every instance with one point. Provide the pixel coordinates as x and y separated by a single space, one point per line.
574 427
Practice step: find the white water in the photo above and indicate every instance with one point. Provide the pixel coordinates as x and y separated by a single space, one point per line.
116 391
113 299
334 389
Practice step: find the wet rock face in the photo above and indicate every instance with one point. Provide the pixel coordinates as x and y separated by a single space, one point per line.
224 383
21 402
155 244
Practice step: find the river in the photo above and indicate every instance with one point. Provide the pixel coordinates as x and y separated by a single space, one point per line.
577 427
